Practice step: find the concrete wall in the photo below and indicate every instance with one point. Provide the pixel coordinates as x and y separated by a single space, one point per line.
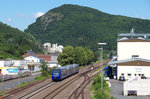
125 50
133 70
1 63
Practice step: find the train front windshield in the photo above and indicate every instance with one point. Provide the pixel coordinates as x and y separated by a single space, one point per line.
55 71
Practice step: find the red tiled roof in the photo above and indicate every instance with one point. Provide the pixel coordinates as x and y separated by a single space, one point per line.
25 55
46 58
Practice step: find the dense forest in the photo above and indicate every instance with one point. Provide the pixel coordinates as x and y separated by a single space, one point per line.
83 26
14 43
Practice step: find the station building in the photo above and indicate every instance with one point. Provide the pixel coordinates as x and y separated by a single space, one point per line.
133 55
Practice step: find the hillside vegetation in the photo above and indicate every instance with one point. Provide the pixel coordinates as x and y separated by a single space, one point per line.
82 26
14 43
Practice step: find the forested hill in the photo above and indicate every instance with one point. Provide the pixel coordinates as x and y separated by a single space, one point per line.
13 42
82 26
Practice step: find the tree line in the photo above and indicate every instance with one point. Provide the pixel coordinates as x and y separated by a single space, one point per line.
79 55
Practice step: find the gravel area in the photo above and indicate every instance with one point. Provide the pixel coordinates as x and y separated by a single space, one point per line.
117 88
30 90
70 89
13 83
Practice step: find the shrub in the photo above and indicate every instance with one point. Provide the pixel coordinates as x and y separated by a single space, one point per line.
0 80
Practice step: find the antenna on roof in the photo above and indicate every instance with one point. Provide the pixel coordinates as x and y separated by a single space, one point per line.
132 31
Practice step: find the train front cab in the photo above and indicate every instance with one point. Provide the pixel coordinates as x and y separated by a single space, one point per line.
56 74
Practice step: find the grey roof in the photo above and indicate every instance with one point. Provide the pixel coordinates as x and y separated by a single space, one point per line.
144 36
128 60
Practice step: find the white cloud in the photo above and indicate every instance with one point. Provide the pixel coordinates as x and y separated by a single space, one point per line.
9 20
22 15
38 14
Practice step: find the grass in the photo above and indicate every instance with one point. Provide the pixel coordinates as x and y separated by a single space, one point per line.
99 61
3 93
35 79
96 92
81 66
24 84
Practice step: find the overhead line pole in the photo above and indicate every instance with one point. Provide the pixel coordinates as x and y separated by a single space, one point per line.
102 64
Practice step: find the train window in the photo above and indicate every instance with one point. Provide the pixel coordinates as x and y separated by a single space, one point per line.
55 70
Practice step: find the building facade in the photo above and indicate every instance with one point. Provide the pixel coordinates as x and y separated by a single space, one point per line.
33 63
133 55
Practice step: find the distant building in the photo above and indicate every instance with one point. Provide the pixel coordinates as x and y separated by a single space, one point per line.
52 48
54 61
133 55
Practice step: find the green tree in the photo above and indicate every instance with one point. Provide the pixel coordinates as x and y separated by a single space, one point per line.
80 56
83 56
90 55
67 56
44 68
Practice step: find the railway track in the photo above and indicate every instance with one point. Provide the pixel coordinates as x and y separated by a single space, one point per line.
53 93
79 92
61 88
17 90
30 95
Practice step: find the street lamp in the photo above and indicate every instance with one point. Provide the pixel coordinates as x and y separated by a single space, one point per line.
102 44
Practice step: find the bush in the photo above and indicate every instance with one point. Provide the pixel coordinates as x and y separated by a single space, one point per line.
96 87
45 73
50 71
0 80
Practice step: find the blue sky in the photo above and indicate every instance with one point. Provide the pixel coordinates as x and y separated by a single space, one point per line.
21 13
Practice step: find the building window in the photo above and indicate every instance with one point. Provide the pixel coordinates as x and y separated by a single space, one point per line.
135 74
32 60
129 75
135 56
139 74
122 74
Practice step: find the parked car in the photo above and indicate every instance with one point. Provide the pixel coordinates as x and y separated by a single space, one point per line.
143 77
122 78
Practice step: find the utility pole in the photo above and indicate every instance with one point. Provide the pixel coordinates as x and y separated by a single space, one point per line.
102 44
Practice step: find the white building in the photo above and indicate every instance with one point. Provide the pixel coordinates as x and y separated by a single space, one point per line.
137 86
53 62
133 55
52 48
33 63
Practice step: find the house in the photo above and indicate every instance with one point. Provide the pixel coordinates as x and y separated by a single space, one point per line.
33 63
44 57
51 60
133 55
